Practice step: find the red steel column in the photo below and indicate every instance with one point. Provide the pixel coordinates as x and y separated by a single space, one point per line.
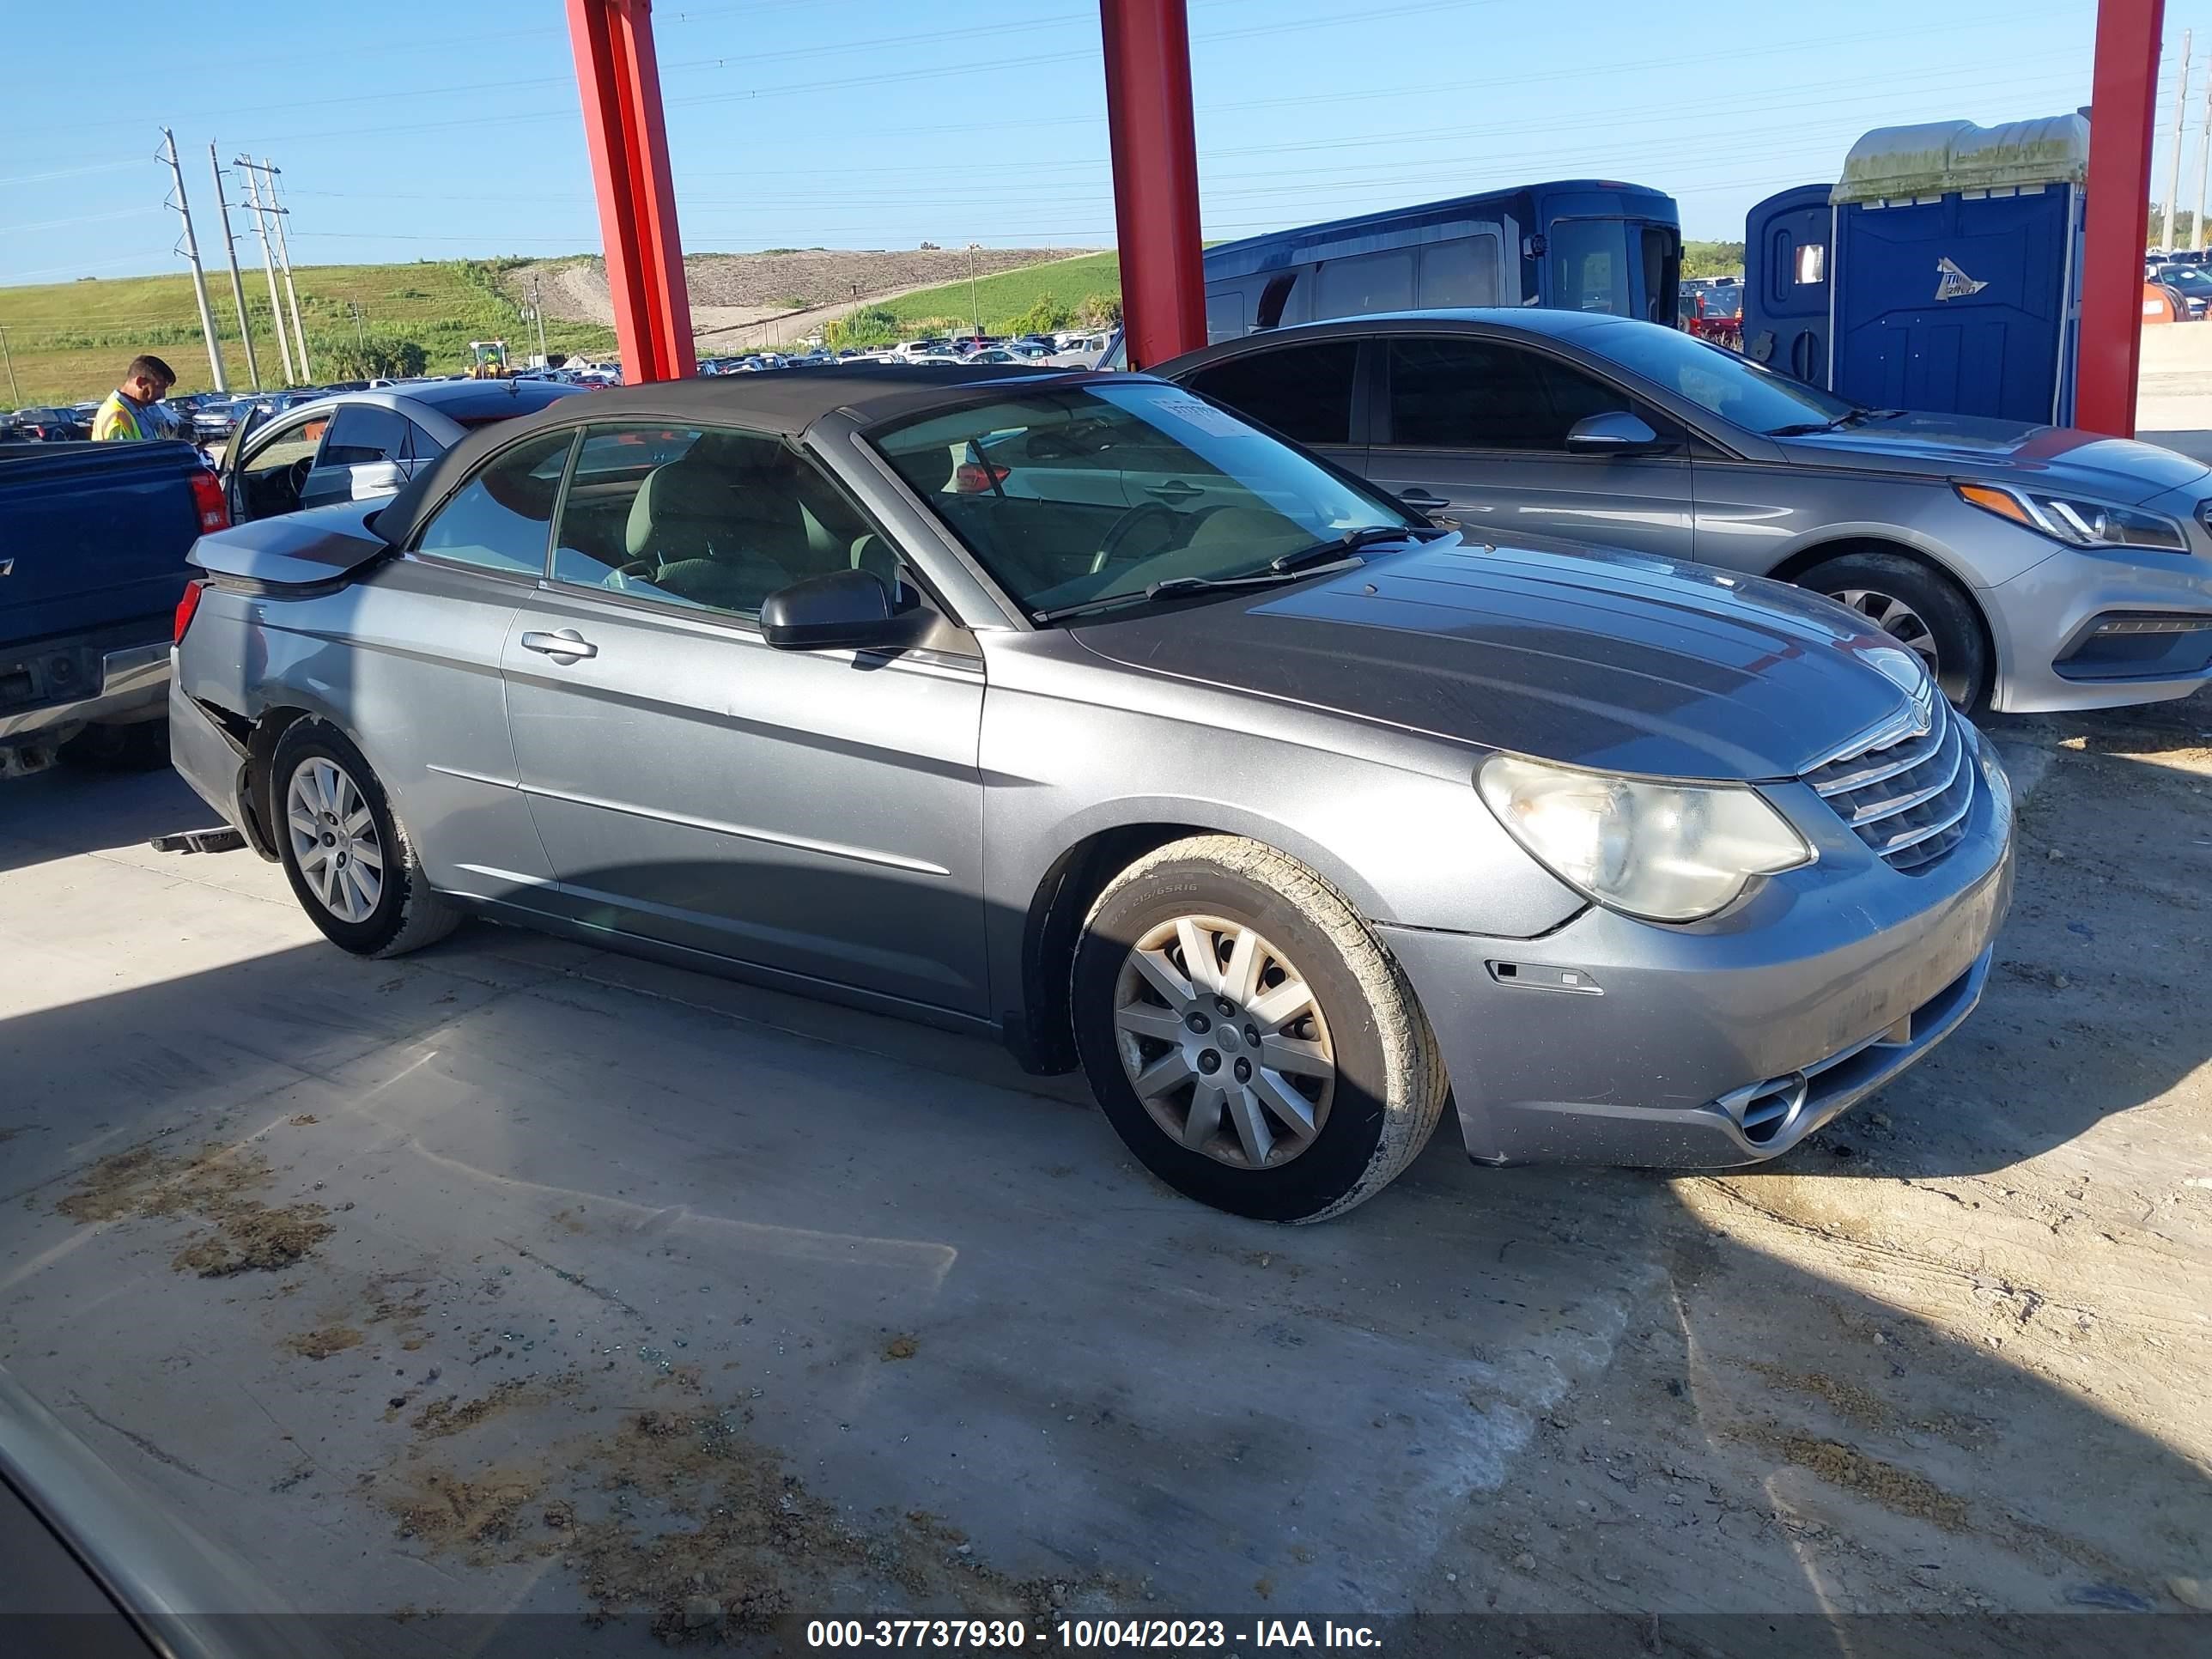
2123 101
1155 177
619 76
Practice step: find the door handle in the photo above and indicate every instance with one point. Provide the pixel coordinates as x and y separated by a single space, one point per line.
1175 490
566 646
1419 496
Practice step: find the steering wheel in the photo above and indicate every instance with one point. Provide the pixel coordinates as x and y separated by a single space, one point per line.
1113 545
296 475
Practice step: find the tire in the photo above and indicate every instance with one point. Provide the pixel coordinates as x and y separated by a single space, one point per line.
403 913
1364 1122
1925 610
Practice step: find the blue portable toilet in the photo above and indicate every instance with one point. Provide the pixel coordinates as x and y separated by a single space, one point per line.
1956 269
1786 241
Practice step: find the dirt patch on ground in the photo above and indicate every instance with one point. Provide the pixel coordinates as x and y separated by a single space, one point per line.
453 1415
447 1512
681 1516
212 1185
1899 1491
322 1344
900 1347
1847 1400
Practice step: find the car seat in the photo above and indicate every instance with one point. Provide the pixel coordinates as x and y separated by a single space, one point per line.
719 526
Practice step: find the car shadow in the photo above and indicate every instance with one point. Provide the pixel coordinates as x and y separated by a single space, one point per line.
1479 1396
69 809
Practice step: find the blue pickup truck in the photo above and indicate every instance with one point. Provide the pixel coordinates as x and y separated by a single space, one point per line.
93 539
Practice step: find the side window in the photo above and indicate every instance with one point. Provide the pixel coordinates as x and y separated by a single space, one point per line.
501 519
364 432
270 479
706 517
1461 273
1364 282
1302 392
1476 394
420 446
1225 316
297 442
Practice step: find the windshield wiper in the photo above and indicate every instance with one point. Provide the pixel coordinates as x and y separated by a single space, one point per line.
1175 587
1351 542
1850 417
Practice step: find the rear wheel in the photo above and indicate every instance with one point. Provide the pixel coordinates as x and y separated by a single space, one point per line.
1922 609
349 860
1248 1037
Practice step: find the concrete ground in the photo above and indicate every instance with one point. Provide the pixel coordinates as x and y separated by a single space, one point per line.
514 1277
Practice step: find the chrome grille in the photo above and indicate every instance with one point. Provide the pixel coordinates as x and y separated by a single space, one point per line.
1907 798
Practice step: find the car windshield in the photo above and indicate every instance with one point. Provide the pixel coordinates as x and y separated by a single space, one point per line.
1734 388
1070 494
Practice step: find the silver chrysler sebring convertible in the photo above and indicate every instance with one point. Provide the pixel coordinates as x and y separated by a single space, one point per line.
1072 708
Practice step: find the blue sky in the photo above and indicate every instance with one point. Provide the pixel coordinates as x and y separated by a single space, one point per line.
408 128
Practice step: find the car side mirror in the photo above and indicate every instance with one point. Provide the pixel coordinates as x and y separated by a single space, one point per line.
843 610
373 478
1615 432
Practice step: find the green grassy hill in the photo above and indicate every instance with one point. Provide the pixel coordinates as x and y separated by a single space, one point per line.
1003 300
70 340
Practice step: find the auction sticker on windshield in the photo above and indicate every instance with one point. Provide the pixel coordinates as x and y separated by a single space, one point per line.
1205 417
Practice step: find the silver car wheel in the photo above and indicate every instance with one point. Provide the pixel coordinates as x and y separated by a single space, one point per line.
334 840
1895 618
1224 1042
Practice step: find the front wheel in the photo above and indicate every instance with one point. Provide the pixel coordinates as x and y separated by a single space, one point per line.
1248 1035
1921 609
349 860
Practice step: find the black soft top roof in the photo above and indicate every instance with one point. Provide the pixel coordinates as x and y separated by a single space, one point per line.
784 401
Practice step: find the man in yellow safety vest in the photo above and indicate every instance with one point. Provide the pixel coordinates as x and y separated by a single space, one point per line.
127 412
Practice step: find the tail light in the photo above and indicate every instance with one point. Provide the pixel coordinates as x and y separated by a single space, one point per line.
976 478
188 605
207 501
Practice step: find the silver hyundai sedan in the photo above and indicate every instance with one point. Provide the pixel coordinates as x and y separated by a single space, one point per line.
2031 567
1074 709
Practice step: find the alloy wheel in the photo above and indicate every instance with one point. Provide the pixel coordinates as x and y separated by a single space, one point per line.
334 839
1224 1042
1895 618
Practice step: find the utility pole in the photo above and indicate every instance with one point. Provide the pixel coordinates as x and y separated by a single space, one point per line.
190 249
269 269
284 257
237 288
14 392
975 310
538 311
2170 236
2204 157
360 329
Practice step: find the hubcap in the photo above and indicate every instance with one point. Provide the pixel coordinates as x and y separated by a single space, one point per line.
1224 1042
1902 624
334 839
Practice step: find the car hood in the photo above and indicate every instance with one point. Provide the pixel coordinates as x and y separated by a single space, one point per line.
2005 452
1609 661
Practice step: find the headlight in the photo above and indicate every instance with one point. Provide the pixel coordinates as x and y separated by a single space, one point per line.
1665 852
2077 522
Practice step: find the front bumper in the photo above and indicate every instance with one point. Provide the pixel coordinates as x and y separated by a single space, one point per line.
2046 618
1611 1040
